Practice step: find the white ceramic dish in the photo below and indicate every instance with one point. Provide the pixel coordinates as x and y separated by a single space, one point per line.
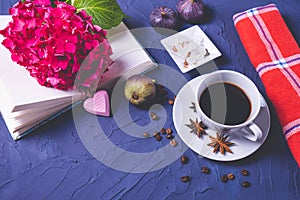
192 41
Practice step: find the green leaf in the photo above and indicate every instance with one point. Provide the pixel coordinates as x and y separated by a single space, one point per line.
105 13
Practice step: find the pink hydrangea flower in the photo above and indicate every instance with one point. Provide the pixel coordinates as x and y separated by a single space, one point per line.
56 44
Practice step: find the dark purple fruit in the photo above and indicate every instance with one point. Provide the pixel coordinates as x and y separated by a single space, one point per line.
163 17
192 11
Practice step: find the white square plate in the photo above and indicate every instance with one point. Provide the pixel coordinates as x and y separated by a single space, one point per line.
190 48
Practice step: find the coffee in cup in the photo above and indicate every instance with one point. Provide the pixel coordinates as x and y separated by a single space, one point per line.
238 105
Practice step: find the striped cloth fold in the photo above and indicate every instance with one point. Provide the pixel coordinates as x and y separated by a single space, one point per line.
275 55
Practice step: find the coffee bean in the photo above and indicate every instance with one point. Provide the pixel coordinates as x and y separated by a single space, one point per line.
171 102
230 176
224 178
184 159
163 131
168 130
246 184
173 143
155 134
146 135
205 170
245 172
185 178
154 116
170 137
158 137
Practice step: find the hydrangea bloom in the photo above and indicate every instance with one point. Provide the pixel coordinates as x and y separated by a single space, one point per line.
54 42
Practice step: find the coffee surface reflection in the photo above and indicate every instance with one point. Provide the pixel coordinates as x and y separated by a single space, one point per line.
230 104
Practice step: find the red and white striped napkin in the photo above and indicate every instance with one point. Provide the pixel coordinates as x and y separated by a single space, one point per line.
276 57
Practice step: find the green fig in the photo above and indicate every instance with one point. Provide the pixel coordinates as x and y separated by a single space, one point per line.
139 89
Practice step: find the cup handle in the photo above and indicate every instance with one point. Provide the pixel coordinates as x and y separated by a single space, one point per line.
252 132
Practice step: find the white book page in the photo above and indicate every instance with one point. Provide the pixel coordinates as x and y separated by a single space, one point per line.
128 55
23 114
32 119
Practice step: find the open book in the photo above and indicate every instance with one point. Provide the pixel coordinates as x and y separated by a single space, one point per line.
25 105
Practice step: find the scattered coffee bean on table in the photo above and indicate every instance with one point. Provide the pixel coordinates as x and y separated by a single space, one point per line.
146 135
173 143
155 134
245 172
154 116
205 170
170 137
171 102
224 178
230 176
184 159
168 130
158 137
246 184
185 178
163 131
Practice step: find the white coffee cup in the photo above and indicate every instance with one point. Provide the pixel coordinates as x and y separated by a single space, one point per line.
248 129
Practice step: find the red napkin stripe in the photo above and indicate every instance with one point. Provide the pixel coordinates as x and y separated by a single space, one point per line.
245 14
285 66
291 128
278 61
276 56
288 62
262 30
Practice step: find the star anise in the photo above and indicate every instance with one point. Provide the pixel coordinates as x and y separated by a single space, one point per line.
193 107
198 128
220 143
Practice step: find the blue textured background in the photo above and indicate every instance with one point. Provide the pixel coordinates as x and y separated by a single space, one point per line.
52 163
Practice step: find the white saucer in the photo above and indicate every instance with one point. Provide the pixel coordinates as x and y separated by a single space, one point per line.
182 113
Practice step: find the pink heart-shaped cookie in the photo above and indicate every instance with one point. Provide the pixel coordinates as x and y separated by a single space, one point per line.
98 104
